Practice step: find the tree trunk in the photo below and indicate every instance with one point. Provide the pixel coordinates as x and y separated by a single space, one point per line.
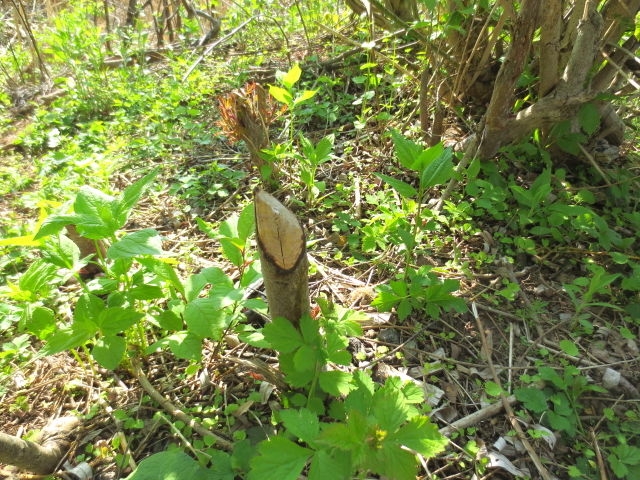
42 457
283 256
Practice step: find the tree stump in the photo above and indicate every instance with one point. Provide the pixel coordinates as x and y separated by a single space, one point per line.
283 256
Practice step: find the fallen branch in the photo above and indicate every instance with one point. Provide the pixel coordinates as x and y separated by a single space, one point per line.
172 410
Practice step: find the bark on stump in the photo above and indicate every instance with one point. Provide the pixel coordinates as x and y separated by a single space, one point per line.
42 457
283 256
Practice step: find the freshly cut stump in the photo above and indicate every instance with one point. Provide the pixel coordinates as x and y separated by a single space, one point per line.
283 256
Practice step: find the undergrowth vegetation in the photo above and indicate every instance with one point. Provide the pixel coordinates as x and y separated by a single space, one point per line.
127 245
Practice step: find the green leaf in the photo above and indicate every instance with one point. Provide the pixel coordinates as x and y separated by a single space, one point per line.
336 383
492 389
568 146
280 459
117 319
88 311
532 398
589 118
185 345
146 292
193 286
305 358
142 242
174 465
216 277
303 424
427 157
281 94
390 409
37 276
232 252
61 251
282 335
324 466
569 347
66 339
627 454
406 151
205 319
292 76
619 258
170 320
223 296
420 435
404 189
163 270
109 350
131 195
306 95
246 222
437 172
310 329
42 322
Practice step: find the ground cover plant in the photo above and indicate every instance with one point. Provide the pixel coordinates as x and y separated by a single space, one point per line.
465 175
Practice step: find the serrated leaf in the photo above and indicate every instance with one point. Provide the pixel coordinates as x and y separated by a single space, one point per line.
532 398
305 358
492 389
185 345
420 435
336 383
324 466
66 339
427 157
37 276
282 335
280 459
169 465
302 423
404 189
163 270
390 410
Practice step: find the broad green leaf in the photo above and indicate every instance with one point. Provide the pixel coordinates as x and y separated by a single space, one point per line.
66 339
109 350
628 454
281 94
246 222
223 296
292 76
306 95
131 195
280 459
185 345
37 276
385 301
589 118
404 189
324 148
88 310
169 465
619 258
216 277
229 228
325 466
90 201
163 270
493 389
193 286
390 410
568 146
395 462
146 292
439 171
206 228
340 436
117 319
61 251
569 347
170 320
532 398
406 151
336 383
205 319
232 252
302 423
42 322
305 358
309 328
427 157
282 335
135 244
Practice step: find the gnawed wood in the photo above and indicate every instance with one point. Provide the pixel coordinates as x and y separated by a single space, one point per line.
283 256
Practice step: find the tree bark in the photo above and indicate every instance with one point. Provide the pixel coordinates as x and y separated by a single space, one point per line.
42 457
283 256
